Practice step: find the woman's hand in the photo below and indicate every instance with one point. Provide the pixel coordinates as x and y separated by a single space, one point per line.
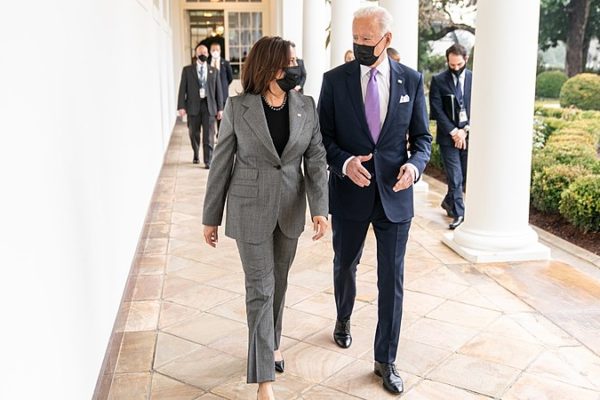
211 235
320 226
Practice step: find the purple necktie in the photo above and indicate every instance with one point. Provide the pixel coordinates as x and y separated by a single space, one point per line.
372 106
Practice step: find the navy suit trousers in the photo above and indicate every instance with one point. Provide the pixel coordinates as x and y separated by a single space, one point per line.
348 241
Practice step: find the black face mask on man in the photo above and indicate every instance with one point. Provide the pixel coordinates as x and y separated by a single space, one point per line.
365 53
459 71
202 57
291 79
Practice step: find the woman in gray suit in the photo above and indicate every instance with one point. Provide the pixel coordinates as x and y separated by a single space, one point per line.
267 134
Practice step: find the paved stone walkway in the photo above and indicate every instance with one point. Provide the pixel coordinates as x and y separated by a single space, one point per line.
506 330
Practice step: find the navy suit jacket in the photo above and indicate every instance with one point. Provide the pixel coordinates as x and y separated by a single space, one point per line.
345 134
225 75
442 84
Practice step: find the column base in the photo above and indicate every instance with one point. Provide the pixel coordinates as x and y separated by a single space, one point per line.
530 252
421 187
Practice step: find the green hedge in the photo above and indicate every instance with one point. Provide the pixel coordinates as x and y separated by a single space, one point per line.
549 83
547 185
581 91
580 203
436 156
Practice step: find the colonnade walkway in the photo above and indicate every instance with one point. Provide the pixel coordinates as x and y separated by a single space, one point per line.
526 330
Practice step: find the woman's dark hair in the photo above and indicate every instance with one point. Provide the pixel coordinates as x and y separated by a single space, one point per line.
457 50
269 55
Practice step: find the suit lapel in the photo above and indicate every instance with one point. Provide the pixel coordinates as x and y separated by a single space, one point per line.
255 117
356 97
397 89
297 120
450 82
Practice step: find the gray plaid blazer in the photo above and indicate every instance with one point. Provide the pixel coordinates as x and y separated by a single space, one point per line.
261 188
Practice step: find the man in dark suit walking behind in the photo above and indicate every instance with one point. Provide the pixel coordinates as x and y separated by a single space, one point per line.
201 98
366 109
450 105
223 66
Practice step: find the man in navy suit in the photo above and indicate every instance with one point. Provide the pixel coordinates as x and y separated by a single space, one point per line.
450 105
367 110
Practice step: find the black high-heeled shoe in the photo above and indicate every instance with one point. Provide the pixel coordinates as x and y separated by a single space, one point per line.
279 366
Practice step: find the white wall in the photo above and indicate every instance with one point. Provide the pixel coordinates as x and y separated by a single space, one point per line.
86 108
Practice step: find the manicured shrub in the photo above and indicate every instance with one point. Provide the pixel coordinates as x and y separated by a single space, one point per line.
547 185
580 203
549 83
581 91
564 153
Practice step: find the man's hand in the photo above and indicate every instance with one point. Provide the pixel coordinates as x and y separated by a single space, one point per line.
406 178
460 139
181 112
357 173
298 88
211 235
320 226
219 115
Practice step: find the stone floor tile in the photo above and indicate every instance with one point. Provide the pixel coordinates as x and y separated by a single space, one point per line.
143 316
324 393
137 352
420 303
151 265
502 350
320 304
552 365
439 334
313 363
207 328
285 387
233 309
165 388
172 313
202 297
298 325
475 374
147 287
431 390
418 358
169 348
130 386
536 387
204 368
464 315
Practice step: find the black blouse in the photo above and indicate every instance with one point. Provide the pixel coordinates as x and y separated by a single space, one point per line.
278 122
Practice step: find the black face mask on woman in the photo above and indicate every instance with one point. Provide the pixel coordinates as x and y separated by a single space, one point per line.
365 53
291 79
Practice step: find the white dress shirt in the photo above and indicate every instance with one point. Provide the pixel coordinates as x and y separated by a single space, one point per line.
383 86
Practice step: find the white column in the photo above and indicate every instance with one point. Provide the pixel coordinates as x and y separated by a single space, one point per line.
291 26
342 12
405 31
315 19
496 224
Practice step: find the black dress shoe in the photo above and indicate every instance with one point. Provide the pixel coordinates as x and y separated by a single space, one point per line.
457 221
391 379
206 166
196 161
279 366
448 209
341 334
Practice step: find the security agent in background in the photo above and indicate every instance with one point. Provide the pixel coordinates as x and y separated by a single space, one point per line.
201 98
450 107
